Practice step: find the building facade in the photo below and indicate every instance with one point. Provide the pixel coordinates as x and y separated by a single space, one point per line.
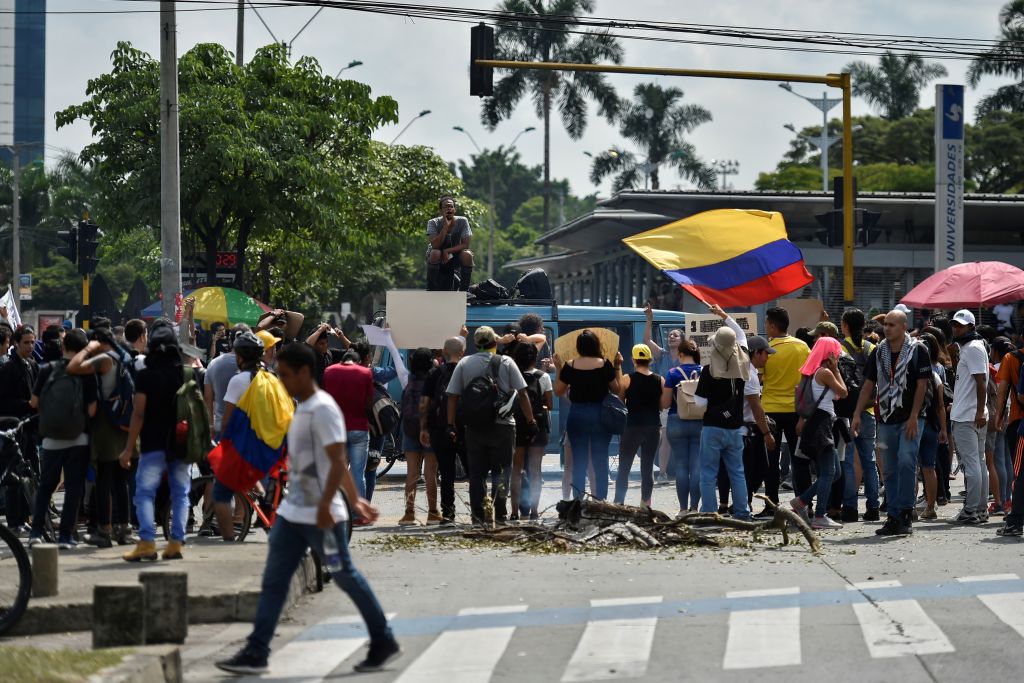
23 78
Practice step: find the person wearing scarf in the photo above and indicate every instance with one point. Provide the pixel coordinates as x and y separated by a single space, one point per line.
721 386
900 369
969 416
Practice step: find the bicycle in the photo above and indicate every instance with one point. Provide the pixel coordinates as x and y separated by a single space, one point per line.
390 452
15 568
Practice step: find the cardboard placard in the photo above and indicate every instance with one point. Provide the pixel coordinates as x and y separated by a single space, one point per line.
803 313
565 346
701 328
419 318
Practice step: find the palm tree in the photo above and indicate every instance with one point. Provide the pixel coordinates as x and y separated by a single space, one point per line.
1005 59
894 86
534 38
656 121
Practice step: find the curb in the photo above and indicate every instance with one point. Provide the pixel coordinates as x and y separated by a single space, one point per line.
155 664
239 606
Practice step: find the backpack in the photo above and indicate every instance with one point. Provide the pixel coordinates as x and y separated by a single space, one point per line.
489 290
383 414
851 368
118 407
806 404
437 417
536 396
483 402
686 406
61 405
411 407
189 441
533 285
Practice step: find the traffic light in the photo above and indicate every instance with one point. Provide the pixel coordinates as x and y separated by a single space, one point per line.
70 239
867 233
481 46
88 233
864 222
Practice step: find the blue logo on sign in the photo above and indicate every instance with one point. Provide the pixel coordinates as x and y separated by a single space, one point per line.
953 112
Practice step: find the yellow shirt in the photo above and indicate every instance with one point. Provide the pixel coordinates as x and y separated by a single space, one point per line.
782 374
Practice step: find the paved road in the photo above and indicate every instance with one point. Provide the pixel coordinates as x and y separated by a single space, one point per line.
944 605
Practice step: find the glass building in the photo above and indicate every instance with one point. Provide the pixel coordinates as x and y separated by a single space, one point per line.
23 77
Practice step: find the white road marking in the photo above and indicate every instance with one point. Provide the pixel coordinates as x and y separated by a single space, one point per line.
1009 607
894 628
613 648
763 637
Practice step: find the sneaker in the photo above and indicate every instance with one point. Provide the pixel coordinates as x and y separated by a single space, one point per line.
915 515
965 517
1010 530
1007 507
34 540
890 528
941 500
983 517
447 521
996 510
825 523
848 514
408 520
378 656
434 518
800 508
786 485
245 662
929 515
67 544
765 514
871 515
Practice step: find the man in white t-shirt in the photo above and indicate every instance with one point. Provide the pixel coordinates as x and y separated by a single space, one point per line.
313 507
970 416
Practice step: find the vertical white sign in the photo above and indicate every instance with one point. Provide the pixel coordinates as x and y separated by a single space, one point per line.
949 176
7 17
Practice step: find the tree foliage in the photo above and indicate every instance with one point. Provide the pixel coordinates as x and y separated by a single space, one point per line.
1005 59
894 86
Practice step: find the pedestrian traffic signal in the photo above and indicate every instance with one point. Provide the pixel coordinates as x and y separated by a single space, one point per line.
70 240
88 234
481 46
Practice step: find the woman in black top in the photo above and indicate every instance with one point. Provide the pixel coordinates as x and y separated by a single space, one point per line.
588 380
642 390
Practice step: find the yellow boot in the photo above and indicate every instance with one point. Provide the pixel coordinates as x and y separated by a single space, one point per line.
173 550
145 551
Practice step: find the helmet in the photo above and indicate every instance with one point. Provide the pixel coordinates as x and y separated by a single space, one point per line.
248 346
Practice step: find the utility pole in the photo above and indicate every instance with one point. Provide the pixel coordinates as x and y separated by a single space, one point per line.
240 37
170 199
16 214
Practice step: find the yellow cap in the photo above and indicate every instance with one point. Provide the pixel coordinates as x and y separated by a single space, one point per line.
641 352
268 339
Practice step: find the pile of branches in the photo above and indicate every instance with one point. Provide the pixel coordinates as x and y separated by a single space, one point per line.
593 523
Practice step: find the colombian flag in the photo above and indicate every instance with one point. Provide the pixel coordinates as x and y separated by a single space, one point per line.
253 441
730 257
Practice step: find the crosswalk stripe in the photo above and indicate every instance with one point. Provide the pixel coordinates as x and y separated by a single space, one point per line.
1009 607
613 648
894 628
763 637
464 656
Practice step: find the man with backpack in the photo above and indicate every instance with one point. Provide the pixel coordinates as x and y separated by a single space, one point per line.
65 403
435 424
350 384
488 386
863 445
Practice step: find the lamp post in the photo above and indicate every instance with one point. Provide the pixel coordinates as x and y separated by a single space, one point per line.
490 174
825 104
414 120
351 65
725 168
822 143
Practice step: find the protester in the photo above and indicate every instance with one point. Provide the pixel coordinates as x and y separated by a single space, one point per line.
445 450
135 338
816 432
644 394
269 349
587 380
218 375
861 447
781 376
529 454
5 343
18 377
152 424
381 376
684 434
900 368
419 456
667 358
65 403
758 439
350 384
319 339
490 444
448 249
312 508
996 458
1008 377
935 432
970 416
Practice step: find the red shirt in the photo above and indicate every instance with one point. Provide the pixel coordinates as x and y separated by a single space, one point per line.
351 386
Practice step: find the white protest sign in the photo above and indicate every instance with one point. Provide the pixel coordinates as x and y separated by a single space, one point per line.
377 336
419 318
701 328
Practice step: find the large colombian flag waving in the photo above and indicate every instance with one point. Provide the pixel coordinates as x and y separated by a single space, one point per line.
253 441
730 257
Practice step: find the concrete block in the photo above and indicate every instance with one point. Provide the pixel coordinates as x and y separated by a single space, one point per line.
118 615
166 611
44 570
156 664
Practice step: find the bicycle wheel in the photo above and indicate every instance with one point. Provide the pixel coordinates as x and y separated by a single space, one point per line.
390 452
15 579
242 513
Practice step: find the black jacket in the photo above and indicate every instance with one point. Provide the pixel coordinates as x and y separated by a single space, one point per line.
17 377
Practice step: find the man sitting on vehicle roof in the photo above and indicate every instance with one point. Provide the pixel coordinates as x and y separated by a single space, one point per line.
449 237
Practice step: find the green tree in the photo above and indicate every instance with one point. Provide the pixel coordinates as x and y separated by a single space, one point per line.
993 150
514 182
656 122
1006 59
261 145
894 86
530 38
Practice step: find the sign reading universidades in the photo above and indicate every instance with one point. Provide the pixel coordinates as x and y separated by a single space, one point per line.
949 175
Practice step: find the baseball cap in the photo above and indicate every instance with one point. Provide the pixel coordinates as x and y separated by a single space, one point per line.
641 352
826 329
484 337
903 308
269 340
756 343
964 317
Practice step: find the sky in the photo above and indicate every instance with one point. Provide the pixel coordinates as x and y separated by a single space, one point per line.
423 65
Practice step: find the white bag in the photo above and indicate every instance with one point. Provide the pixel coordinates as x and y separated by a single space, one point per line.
686 405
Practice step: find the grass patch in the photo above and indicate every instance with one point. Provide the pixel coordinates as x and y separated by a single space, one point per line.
32 665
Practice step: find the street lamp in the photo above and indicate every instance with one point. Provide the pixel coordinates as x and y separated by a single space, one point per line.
415 119
490 173
725 168
351 65
824 141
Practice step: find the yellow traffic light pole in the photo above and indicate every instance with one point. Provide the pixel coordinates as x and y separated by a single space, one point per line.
841 81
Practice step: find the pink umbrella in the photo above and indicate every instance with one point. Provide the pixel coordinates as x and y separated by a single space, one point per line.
969 285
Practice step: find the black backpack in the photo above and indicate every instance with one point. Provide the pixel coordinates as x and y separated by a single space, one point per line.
533 285
489 290
384 415
483 401
61 405
851 368
119 405
536 396
411 407
437 417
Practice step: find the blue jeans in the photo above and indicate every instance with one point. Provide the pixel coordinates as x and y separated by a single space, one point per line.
152 466
1004 467
286 547
589 441
828 465
725 446
684 438
358 448
928 453
864 447
899 465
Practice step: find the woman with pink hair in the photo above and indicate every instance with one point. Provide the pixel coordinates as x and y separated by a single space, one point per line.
820 377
